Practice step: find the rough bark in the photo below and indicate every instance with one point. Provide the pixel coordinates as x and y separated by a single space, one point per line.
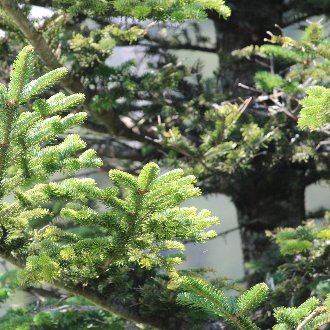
248 24
266 201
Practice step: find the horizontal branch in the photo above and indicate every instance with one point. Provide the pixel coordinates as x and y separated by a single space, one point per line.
223 233
71 308
183 46
105 302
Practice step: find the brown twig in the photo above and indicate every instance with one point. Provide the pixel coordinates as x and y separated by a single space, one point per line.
317 311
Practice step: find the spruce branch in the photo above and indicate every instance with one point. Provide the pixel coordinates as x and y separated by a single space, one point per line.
199 294
4 147
37 86
308 316
316 108
21 73
141 216
252 298
71 84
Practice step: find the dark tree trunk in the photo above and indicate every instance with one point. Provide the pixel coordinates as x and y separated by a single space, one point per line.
265 201
250 19
267 197
247 25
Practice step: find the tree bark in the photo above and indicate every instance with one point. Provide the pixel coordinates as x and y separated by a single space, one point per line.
265 201
247 25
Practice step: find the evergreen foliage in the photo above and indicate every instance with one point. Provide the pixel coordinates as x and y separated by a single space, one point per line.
136 228
174 10
140 221
27 153
219 149
307 56
304 268
310 315
202 295
199 294
71 313
108 241
94 48
309 65
315 112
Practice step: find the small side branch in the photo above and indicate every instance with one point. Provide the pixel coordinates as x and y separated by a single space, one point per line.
312 315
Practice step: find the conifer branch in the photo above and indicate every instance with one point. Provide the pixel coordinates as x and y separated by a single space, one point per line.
8 109
142 216
311 316
199 294
107 303
71 84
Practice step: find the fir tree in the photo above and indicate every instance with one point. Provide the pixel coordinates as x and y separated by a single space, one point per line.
142 217
239 148
180 110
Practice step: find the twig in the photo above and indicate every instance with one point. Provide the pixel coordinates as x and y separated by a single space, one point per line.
248 87
317 311
224 233
244 105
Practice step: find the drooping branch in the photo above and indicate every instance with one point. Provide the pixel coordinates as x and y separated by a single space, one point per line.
107 302
179 46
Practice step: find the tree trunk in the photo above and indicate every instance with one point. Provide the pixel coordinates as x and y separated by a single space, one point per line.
265 201
247 25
